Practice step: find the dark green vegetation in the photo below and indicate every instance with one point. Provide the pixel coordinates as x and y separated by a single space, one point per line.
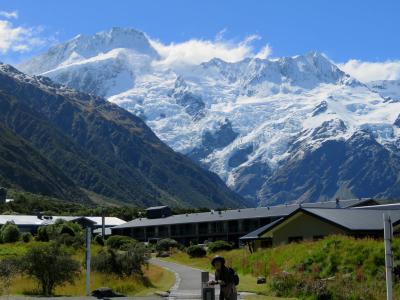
73 146
122 263
27 204
120 242
63 233
196 251
9 233
166 245
219 246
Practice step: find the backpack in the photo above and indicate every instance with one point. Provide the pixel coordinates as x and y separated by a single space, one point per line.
235 276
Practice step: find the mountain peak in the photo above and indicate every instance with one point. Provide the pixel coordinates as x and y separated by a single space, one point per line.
86 46
116 37
8 69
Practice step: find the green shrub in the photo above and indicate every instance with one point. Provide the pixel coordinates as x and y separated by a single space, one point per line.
67 229
72 241
26 237
124 263
166 245
63 232
219 246
196 251
51 265
99 240
42 234
120 242
10 233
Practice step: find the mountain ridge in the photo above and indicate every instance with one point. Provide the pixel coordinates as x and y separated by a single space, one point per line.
272 105
103 148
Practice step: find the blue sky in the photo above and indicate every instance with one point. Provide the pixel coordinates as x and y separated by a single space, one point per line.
367 31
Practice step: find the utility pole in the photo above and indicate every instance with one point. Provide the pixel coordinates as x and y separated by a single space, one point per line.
88 241
388 236
103 224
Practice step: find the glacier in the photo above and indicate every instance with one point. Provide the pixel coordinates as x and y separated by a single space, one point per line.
241 120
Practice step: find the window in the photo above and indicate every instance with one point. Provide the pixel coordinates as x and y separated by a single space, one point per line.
266 243
295 239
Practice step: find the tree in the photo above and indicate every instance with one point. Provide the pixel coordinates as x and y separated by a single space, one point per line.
196 251
219 246
121 263
166 244
26 237
99 240
63 232
42 234
120 242
51 265
10 233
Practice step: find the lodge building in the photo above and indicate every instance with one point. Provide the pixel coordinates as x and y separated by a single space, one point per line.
227 225
316 223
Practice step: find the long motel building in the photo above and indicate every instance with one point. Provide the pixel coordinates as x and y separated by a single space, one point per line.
229 225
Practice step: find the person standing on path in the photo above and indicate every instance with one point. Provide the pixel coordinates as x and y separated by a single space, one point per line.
226 278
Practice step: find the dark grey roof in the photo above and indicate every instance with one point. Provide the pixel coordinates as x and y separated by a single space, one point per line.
381 207
254 235
246 213
355 219
351 219
342 203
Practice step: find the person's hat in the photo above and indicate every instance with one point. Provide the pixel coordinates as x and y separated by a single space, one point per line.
217 258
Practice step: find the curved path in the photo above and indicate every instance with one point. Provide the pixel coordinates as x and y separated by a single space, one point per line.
188 280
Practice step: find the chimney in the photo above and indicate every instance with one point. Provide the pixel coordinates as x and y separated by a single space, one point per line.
337 203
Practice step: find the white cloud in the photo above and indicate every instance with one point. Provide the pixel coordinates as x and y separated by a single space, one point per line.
196 51
264 52
18 38
9 14
369 71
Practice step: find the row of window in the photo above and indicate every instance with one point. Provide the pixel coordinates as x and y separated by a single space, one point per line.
297 239
234 226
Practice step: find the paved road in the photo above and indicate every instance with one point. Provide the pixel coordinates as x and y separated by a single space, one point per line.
188 280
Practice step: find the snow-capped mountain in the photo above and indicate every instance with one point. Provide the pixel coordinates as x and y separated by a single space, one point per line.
389 89
273 129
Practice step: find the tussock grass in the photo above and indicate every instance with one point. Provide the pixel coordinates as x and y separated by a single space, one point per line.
353 266
155 278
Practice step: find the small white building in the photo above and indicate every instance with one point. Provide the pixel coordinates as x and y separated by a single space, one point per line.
31 223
